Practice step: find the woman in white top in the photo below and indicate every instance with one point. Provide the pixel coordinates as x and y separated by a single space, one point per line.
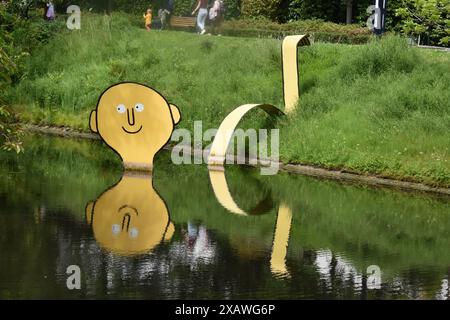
216 16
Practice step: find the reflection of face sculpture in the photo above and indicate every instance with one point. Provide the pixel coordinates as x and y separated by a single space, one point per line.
130 217
136 121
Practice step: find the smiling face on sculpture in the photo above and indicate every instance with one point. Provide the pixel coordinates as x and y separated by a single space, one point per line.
136 121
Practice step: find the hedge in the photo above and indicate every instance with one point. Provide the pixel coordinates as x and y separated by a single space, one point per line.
317 29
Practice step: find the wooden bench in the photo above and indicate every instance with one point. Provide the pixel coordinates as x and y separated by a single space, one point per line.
183 22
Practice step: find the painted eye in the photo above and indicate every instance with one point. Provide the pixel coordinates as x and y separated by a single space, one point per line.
115 229
121 108
133 233
139 107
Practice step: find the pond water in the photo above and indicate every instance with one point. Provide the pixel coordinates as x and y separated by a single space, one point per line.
187 233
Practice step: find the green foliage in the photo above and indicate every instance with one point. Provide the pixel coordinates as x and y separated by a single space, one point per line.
318 29
232 9
260 8
22 30
311 9
184 7
9 132
381 108
9 59
428 18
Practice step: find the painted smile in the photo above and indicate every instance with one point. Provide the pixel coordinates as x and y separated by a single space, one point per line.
132 132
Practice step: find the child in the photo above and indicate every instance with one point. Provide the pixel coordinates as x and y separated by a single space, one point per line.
148 19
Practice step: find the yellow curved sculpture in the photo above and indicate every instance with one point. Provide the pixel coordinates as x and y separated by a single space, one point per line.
136 121
222 140
225 132
130 217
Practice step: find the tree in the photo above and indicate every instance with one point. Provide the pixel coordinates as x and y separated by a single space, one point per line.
9 132
429 19
260 8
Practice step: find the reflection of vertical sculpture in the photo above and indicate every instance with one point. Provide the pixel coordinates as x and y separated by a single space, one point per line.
136 121
223 137
130 217
281 242
282 227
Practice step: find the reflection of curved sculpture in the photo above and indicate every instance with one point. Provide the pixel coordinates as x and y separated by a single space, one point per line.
223 195
282 227
130 217
290 93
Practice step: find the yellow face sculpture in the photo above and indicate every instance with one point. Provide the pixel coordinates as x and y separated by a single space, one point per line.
136 121
130 218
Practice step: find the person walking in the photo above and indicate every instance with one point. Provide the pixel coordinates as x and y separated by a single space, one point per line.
165 12
51 15
216 16
202 8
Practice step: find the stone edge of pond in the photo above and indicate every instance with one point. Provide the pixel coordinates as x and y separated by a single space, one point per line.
61 132
290 168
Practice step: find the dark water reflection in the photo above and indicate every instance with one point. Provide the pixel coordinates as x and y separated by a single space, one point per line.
188 233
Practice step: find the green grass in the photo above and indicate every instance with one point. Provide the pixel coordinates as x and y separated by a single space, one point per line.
381 108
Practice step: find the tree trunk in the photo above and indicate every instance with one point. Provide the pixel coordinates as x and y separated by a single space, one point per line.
348 20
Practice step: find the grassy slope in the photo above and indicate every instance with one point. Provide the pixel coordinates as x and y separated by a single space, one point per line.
381 108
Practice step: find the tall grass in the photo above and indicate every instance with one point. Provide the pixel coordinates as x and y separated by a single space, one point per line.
381 108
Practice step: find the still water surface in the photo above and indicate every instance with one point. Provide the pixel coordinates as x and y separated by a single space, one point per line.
187 233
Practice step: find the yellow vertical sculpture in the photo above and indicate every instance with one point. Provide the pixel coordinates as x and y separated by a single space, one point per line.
290 93
289 58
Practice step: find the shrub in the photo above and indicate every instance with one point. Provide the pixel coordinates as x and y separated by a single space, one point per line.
317 29
184 7
260 8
